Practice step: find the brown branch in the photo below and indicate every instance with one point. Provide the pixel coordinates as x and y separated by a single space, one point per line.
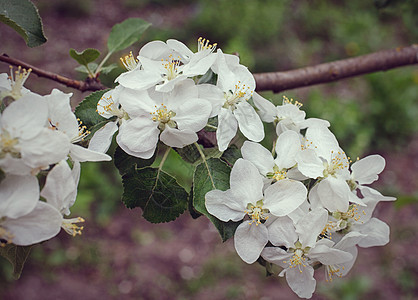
279 81
328 72
88 85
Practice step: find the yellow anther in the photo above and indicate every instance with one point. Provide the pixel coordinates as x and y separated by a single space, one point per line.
129 62
71 228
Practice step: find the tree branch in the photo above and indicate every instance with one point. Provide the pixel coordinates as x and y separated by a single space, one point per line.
328 72
88 85
279 81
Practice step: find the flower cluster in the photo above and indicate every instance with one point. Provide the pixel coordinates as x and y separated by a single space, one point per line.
39 138
303 204
158 99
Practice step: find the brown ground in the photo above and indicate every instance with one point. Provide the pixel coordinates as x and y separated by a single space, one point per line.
129 258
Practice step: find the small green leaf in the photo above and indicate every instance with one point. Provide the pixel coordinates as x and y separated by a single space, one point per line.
83 69
86 56
124 162
159 195
108 69
17 255
86 111
23 16
191 155
126 33
203 181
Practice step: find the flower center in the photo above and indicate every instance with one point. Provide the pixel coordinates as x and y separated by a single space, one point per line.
163 117
129 62
172 67
107 106
338 162
70 227
17 79
298 260
82 132
242 92
203 45
257 212
333 270
8 145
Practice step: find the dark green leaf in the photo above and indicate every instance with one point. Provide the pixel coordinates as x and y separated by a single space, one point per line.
126 33
204 181
23 17
159 195
212 124
208 77
191 155
231 155
124 162
17 255
86 110
86 56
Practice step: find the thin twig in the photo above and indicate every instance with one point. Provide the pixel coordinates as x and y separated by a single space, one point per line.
328 72
88 85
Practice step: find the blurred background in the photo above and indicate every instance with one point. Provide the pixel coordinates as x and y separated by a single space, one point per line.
121 256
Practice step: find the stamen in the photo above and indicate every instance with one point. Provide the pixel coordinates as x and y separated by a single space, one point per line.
129 62
69 226
256 212
82 132
17 80
291 101
203 44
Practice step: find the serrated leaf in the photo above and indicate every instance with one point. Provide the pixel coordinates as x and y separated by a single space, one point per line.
86 56
86 110
17 255
126 33
124 162
204 180
159 195
23 16
191 155
231 155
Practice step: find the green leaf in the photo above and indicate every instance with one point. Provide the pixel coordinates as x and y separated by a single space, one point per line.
204 181
231 155
124 162
17 255
212 124
108 69
23 16
191 155
86 56
83 69
159 195
86 110
126 33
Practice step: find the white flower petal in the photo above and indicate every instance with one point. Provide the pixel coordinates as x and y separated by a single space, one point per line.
178 138
19 195
366 170
246 182
42 223
139 134
249 241
376 231
193 115
287 147
259 156
249 122
282 232
102 138
224 206
284 196
334 194
309 164
301 281
82 154
266 109
311 225
227 128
